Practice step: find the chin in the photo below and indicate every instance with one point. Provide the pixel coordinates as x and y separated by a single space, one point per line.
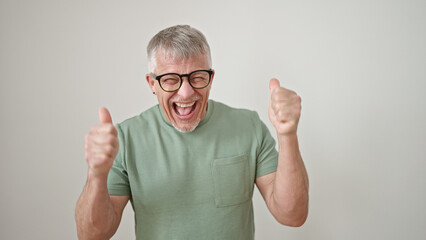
186 128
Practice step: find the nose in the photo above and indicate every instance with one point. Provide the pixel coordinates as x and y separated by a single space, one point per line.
185 91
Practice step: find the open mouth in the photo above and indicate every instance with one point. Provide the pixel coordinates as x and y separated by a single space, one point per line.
184 110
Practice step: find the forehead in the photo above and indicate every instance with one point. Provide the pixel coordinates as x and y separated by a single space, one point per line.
168 63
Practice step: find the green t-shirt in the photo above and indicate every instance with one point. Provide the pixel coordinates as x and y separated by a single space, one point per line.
195 185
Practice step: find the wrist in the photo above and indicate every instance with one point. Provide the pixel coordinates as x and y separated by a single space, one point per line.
287 137
96 178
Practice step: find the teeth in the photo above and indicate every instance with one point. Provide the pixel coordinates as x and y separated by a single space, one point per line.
185 104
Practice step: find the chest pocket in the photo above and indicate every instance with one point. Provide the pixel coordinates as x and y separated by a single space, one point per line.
231 180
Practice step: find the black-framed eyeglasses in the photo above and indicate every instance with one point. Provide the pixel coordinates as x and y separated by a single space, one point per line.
171 82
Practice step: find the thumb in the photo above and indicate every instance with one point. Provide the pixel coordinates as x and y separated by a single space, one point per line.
273 83
104 116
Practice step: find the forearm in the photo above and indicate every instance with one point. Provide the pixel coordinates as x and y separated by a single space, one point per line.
95 215
291 184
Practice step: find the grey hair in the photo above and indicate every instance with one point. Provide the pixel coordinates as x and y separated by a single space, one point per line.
178 42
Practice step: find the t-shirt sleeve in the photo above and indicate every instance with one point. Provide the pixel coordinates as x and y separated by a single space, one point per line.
267 155
118 180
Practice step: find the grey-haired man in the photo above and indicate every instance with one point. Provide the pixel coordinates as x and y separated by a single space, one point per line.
189 164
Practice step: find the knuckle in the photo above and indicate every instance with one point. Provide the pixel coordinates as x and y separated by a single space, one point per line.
296 108
276 106
115 143
103 157
109 149
298 98
110 139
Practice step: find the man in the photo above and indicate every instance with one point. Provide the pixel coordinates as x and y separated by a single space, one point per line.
189 164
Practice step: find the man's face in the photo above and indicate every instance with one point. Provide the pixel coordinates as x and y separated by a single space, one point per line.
184 108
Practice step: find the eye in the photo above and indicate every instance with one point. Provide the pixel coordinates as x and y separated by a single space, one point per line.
199 77
170 79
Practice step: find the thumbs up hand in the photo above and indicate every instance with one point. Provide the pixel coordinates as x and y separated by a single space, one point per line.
101 145
284 109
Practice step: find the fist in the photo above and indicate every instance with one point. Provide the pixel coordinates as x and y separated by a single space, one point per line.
101 145
284 109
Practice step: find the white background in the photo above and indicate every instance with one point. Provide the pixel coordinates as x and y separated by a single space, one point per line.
359 66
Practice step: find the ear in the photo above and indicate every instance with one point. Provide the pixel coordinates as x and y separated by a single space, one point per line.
211 80
151 81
